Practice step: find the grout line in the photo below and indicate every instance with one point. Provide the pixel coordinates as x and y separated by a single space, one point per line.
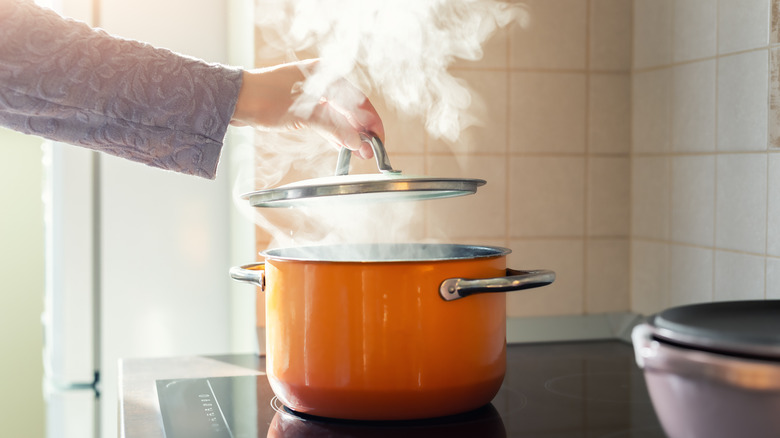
584 154
508 142
664 149
773 9
524 154
586 185
544 70
573 154
669 161
705 247
631 164
603 238
631 227
768 141
670 205
702 59
715 176
707 153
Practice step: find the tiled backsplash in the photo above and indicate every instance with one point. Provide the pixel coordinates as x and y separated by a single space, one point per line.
564 148
625 147
553 144
703 189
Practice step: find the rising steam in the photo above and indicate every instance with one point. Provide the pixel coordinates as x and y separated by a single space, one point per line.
400 49
397 49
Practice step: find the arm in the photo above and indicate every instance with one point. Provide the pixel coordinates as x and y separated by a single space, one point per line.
65 81
62 80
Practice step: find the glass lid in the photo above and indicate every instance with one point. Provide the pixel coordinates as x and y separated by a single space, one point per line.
389 185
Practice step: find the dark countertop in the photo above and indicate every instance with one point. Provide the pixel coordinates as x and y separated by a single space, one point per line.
564 389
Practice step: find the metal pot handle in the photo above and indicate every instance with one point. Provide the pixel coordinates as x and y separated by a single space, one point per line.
455 288
380 155
253 273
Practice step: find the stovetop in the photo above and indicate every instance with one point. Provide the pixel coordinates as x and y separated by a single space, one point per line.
573 389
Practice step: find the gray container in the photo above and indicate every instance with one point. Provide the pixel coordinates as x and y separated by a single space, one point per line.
713 369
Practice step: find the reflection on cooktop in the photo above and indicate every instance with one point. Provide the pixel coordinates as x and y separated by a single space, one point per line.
483 422
603 387
576 389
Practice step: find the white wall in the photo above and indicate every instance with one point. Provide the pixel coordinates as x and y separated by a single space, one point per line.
164 236
21 286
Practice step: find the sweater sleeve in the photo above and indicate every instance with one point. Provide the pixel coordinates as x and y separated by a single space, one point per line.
62 80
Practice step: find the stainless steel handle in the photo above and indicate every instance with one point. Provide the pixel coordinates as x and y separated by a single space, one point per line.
253 273
380 155
455 288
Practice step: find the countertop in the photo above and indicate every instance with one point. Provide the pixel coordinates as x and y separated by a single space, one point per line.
139 413
557 389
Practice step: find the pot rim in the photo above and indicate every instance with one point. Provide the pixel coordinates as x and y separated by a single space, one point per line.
385 252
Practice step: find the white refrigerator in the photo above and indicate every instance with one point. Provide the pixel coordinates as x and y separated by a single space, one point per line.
137 258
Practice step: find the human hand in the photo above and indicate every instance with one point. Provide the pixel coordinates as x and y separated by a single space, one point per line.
273 99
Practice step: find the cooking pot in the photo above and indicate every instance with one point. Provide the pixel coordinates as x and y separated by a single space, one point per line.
386 331
713 369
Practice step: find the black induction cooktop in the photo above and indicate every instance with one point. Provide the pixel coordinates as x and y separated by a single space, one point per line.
572 389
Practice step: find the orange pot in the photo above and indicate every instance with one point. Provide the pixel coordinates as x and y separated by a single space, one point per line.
378 332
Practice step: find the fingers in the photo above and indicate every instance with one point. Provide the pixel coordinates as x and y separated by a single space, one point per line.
341 128
344 114
369 120
274 99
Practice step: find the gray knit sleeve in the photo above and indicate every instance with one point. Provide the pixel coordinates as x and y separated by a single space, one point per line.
62 80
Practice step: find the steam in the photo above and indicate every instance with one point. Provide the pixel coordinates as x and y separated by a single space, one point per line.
400 49
303 155
397 50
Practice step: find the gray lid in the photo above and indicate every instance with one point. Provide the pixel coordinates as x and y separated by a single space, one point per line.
362 188
743 328
389 185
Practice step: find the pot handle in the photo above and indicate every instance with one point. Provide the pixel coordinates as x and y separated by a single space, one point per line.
380 156
455 288
253 273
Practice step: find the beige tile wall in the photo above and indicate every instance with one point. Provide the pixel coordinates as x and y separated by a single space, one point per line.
705 189
566 152
633 146
554 146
